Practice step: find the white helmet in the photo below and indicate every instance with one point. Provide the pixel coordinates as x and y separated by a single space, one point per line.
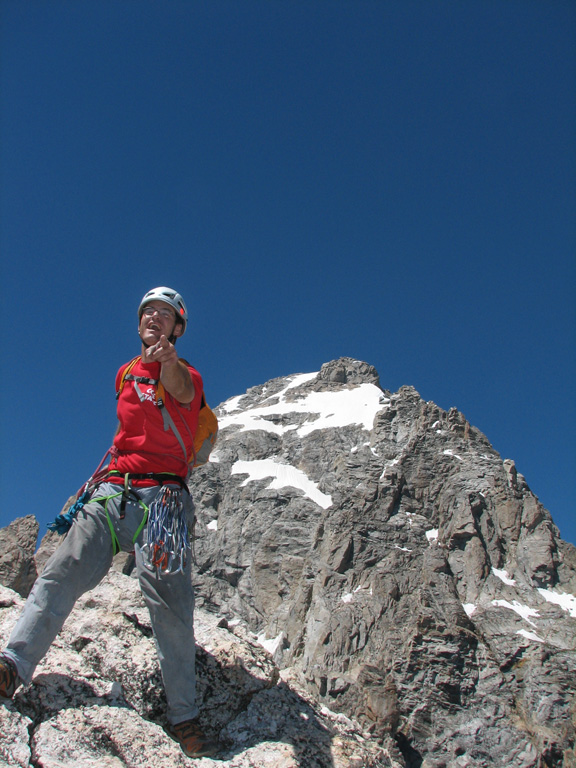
168 296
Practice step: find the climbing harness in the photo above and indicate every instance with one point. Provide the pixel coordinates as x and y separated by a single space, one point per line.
167 536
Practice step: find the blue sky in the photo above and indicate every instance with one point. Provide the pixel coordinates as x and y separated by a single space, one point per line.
392 181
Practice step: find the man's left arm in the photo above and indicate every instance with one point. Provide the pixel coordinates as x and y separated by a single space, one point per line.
174 374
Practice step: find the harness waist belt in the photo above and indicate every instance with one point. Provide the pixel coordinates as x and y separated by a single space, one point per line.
150 478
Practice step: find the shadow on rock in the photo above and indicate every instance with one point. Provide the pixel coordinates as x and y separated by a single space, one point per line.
245 713
256 717
50 693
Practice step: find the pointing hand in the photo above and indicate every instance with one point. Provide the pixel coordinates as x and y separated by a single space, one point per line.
162 352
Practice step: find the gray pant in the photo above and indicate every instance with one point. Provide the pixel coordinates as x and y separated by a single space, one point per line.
80 563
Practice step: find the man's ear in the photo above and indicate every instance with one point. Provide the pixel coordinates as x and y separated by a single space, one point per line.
178 328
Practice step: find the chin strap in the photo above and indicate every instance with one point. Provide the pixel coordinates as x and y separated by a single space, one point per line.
143 342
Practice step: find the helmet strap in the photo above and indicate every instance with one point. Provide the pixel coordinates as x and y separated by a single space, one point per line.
172 338
143 342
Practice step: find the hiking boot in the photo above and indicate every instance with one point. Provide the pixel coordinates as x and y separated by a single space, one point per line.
9 678
192 739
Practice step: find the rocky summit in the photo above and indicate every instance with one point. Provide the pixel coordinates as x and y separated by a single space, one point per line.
376 586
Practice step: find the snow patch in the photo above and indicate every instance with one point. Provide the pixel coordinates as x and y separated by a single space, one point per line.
450 452
522 610
402 549
232 404
271 645
347 597
343 408
301 378
529 636
325 410
283 476
364 445
365 589
469 608
213 525
503 576
432 535
565 600
387 466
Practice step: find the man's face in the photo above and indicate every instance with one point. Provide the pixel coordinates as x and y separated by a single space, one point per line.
158 319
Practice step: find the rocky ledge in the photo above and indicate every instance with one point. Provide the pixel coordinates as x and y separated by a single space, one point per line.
97 697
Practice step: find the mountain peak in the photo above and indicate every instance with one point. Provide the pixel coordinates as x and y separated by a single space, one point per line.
379 543
346 370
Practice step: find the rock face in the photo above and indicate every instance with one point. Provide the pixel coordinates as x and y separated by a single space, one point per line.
397 571
391 560
17 545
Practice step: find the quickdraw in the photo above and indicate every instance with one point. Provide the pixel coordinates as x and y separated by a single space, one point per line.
167 539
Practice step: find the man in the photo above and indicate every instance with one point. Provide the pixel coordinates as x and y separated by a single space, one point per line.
143 486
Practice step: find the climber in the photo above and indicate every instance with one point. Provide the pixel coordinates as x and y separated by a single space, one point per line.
145 479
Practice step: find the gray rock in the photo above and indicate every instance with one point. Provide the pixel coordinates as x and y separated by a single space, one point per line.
97 697
397 565
17 545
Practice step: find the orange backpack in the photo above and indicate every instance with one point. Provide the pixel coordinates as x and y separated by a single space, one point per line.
207 430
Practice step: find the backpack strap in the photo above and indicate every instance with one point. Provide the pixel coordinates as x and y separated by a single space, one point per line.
125 373
169 424
141 379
